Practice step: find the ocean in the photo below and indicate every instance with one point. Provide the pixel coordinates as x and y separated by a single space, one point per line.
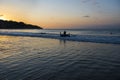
45 58
115 32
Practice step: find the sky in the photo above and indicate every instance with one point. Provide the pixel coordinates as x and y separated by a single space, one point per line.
59 14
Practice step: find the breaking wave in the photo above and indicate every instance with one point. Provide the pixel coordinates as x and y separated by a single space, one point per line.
83 38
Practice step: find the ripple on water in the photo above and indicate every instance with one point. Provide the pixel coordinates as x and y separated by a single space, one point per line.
49 59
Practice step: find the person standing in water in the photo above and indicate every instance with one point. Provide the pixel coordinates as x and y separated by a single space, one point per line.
64 33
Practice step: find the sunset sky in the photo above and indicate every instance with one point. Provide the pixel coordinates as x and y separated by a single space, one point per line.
63 13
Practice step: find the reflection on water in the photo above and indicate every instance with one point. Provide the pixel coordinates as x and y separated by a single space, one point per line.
62 42
25 58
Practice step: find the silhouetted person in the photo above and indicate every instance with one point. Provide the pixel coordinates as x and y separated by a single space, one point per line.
64 33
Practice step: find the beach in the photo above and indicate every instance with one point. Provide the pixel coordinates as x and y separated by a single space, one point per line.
35 58
59 39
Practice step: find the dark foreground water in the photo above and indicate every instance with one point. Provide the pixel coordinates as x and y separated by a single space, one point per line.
28 58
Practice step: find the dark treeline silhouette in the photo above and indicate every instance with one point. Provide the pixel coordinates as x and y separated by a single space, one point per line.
16 25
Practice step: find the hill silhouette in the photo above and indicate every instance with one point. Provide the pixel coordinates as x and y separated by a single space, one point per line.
17 25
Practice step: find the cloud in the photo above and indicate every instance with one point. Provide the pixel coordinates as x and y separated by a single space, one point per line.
86 16
1 15
93 2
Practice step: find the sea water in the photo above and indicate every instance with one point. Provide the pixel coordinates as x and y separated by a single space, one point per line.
108 32
96 36
35 58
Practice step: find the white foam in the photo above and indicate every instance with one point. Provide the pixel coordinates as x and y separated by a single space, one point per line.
84 38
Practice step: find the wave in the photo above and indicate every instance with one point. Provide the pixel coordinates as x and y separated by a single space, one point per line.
83 38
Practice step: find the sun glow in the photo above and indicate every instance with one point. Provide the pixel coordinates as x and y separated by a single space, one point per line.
3 18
